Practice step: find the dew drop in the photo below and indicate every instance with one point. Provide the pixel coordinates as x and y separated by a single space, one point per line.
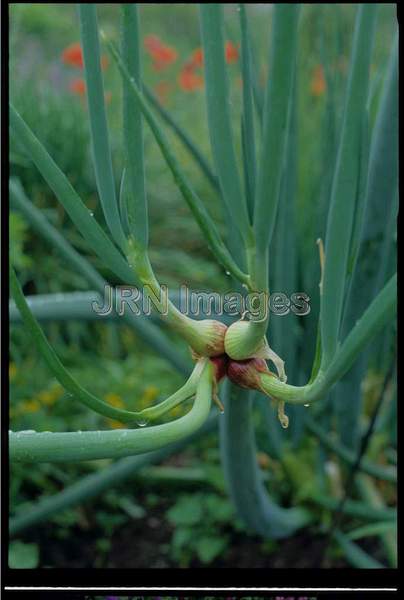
227 272
306 405
141 423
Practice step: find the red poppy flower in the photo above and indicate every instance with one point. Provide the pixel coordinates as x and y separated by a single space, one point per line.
188 80
73 56
231 53
162 55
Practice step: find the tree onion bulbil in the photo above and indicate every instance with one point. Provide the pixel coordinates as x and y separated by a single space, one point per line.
254 204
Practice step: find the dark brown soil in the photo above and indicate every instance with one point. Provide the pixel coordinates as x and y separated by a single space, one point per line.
145 542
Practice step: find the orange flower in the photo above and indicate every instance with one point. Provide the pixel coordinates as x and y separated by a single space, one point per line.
162 55
162 90
318 84
78 86
188 80
197 57
73 56
231 53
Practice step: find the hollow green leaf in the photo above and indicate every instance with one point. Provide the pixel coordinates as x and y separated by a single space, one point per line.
94 484
150 333
68 382
373 529
248 113
273 145
136 200
238 449
355 555
219 122
98 121
345 182
67 196
195 204
27 446
376 246
386 473
182 135
378 314
123 202
355 508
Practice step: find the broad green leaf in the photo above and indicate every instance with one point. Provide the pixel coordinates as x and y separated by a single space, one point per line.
209 547
22 555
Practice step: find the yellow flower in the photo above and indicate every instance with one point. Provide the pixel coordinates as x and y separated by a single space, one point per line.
150 393
12 371
115 400
50 396
30 406
178 411
116 424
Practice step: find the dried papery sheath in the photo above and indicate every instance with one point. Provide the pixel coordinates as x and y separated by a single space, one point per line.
246 373
220 364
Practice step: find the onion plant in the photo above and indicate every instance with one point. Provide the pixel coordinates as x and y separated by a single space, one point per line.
257 203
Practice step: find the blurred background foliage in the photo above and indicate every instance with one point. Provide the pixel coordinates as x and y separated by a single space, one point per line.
177 514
